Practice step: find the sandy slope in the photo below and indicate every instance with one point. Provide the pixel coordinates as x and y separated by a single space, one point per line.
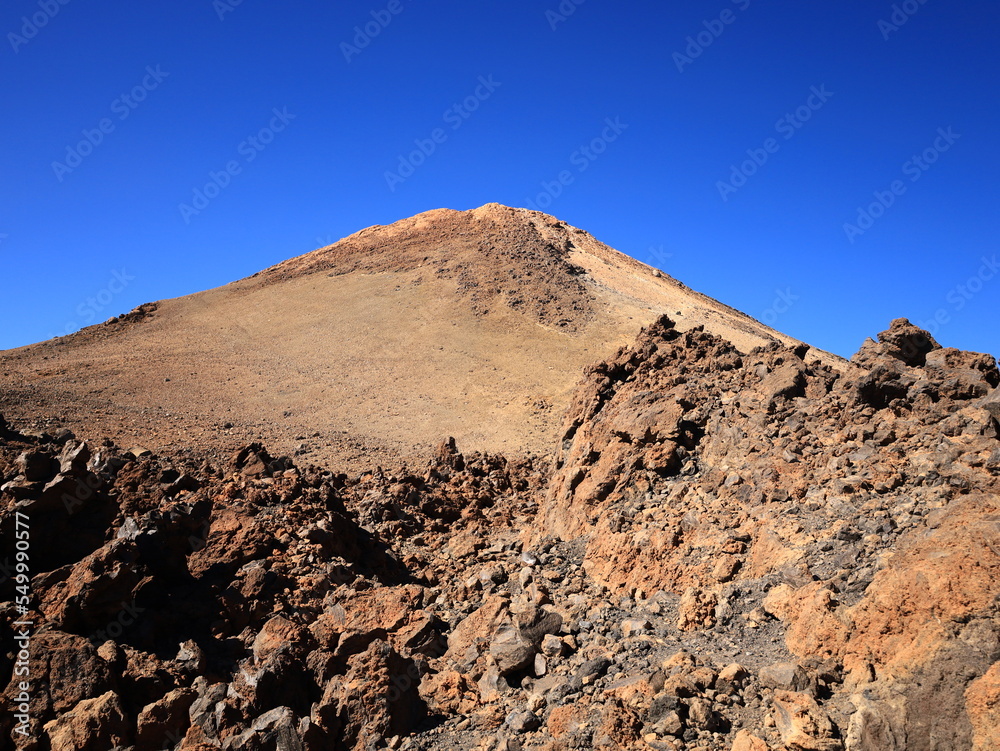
473 324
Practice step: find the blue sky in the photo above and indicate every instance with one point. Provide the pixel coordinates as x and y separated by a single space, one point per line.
825 167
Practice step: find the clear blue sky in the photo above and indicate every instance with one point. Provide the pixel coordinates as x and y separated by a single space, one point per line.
174 91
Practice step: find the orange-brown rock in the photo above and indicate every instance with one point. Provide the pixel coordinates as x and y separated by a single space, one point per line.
567 719
983 706
860 495
91 725
803 725
165 719
449 692
378 698
747 741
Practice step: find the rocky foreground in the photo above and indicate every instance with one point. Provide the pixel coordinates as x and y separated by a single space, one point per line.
730 551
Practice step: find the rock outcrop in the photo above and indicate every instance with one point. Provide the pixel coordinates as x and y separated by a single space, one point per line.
855 507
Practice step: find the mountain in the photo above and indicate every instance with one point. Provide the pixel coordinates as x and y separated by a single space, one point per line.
732 542
473 324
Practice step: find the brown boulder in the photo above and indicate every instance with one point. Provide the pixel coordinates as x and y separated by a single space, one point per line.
378 698
279 635
901 341
235 536
92 595
165 719
275 730
803 725
567 719
92 725
786 382
992 405
784 676
449 692
394 614
511 650
470 638
65 670
696 610
37 465
983 706
747 741
618 728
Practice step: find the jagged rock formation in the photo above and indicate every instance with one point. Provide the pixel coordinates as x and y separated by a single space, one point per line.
855 507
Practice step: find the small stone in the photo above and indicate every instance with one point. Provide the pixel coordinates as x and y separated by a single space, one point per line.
541 666
784 676
701 715
552 645
696 610
594 668
730 678
493 574
190 656
670 724
725 568
802 723
511 650
523 721
746 741
679 659
633 626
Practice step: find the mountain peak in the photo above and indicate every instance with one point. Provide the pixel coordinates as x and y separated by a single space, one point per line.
475 324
